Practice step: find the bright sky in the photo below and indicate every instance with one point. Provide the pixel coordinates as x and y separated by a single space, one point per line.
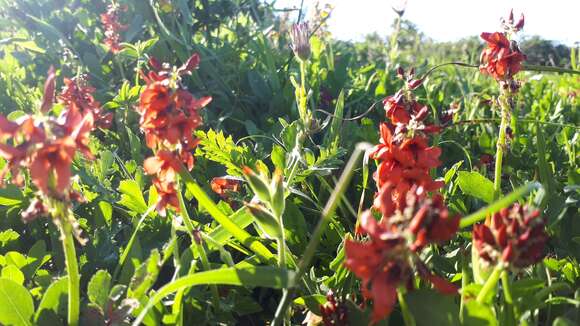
448 20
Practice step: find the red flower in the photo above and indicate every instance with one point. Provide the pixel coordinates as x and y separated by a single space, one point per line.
515 236
224 185
385 262
404 162
164 164
431 221
380 263
399 110
169 117
500 59
46 147
166 196
50 166
110 21
333 311
77 94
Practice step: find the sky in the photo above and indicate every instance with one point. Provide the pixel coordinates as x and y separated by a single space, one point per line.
449 20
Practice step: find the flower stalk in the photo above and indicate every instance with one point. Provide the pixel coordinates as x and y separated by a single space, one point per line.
72 269
501 143
490 284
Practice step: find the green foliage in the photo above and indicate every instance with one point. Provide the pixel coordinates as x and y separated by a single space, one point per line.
213 263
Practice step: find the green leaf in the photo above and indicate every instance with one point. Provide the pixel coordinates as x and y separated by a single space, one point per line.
216 147
12 273
240 234
132 197
312 302
563 321
251 276
99 287
476 185
145 276
432 308
333 136
16 305
8 237
278 156
10 196
53 303
476 314
523 287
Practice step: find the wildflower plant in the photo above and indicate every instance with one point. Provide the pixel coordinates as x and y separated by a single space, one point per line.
329 183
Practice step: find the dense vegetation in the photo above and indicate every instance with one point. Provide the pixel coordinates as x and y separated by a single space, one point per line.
208 162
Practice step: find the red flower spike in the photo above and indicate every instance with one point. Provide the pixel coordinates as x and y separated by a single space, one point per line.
77 94
515 236
169 117
112 26
499 59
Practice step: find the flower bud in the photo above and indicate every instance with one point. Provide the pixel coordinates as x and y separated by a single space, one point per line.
258 185
300 40
266 221
278 201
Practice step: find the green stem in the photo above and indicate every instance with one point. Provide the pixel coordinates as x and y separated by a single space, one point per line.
72 268
501 144
464 282
498 204
507 292
327 214
199 246
130 243
490 284
407 316
550 69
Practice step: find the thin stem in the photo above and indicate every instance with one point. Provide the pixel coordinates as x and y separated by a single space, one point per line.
407 316
72 268
498 204
302 100
501 144
507 292
131 241
550 69
199 246
327 214
206 266
464 282
490 284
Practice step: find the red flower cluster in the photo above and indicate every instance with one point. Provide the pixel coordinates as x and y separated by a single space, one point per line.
77 94
169 116
411 220
110 21
501 59
515 236
386 261
46 147
334 312
404 155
